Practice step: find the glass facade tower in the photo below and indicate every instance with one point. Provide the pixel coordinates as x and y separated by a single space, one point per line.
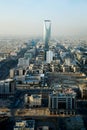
47 34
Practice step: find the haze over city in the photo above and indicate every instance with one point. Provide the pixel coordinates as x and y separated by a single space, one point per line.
25 17
43 65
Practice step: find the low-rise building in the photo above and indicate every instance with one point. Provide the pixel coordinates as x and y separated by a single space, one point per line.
35 100
19 71
25 125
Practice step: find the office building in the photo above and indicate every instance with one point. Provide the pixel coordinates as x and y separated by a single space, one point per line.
19 71
63 102
7 87
47 34
23 62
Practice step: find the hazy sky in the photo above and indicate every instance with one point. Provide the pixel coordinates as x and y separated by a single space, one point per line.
25 17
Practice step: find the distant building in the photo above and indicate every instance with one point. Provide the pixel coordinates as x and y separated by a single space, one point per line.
26 98
23 62
47 34
25 125
84 60
68 61
63 102
28 55
49 56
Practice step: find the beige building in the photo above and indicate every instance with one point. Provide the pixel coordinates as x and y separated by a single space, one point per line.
25 125
35 100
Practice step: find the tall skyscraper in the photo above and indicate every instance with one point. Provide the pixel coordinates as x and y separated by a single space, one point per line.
47 34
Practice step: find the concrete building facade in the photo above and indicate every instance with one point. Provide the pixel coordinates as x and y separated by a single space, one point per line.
62 102
49 56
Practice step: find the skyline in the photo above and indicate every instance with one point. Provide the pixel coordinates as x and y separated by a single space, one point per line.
19 17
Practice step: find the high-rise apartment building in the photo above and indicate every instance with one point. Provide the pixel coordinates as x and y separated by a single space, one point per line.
49 56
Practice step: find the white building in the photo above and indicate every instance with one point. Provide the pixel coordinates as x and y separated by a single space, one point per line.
23 62
26 98
68 61
49 56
